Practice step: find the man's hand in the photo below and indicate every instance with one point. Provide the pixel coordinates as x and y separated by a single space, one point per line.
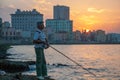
38 42
47 45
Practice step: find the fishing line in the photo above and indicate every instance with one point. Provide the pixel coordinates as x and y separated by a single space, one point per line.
73 61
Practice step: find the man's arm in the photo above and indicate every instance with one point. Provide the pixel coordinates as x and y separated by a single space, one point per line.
47 43
36 39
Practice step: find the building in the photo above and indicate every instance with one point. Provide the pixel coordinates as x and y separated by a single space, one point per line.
100 36
60 25
61 12
77 36
61 37
6 24
49 34
10 34
26 20
113 38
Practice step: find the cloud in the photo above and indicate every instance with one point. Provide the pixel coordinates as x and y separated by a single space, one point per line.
5 13
88 19
11 6
95 10
43 2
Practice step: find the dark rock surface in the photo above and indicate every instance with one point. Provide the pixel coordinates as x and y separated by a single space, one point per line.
19 76
13 66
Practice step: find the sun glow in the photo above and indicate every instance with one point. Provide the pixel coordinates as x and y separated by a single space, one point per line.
87 30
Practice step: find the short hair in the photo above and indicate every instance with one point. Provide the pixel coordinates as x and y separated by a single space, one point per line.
40 23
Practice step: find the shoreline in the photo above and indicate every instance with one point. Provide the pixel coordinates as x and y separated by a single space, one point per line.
3 51
11 70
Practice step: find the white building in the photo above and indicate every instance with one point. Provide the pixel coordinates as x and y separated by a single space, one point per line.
26 20
61 12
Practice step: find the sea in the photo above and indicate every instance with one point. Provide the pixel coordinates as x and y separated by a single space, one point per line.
103 60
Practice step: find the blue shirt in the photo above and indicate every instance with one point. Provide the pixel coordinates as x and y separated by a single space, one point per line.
41 36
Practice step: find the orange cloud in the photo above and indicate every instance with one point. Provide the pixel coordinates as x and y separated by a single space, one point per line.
88 20
95 10
42 2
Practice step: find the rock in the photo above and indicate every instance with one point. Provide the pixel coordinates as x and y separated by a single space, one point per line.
3 51
13 66
2 73
59 64
17 77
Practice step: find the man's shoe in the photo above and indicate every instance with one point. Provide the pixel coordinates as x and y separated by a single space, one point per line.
40 78
48 78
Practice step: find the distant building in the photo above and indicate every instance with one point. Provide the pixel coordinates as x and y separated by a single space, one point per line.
92 36
49 33
59 25
113 38
10 34
77 35
100 36
61 12
6 24
61 37
26 20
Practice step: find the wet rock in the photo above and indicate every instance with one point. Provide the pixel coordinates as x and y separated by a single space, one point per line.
2 72
13 66
3 51
19 76
59 64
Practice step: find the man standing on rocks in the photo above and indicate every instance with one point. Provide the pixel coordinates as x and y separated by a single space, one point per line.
41 43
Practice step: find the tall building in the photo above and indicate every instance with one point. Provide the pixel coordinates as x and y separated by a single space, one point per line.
61 12
26 20
61 25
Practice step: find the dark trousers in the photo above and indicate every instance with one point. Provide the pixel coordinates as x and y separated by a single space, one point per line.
41 68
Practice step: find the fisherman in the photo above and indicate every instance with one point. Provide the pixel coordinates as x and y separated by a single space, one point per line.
41 43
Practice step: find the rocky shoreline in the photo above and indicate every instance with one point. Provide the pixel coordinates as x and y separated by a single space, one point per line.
3 51
9 70
12 70
17 76
11 66
15 66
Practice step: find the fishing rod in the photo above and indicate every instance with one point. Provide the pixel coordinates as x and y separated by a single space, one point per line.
73 61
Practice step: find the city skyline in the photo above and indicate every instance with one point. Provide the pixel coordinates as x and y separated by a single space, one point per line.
87 14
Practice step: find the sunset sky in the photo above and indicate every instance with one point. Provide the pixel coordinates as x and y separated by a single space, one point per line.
86 14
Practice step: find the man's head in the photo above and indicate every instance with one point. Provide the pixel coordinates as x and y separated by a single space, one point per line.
40 25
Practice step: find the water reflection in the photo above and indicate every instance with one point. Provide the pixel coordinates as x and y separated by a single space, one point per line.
102 60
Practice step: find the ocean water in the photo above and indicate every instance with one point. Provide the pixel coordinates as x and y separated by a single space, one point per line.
102 60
